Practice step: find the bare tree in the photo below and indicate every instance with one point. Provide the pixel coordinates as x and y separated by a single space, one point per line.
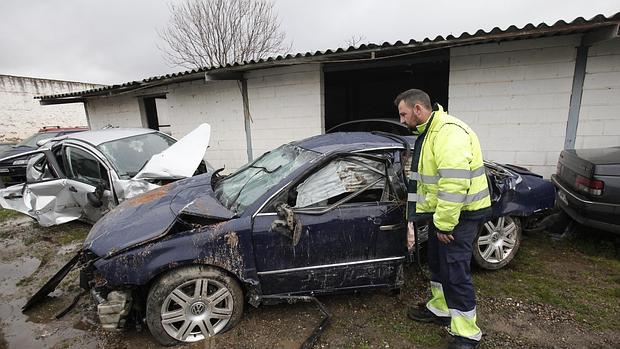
354 40
203 33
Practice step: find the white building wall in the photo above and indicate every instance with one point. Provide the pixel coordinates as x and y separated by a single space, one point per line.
217 103
117 111
599 118
516 96
21 115
286 104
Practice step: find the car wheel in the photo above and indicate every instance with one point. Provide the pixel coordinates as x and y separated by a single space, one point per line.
497 242
193 303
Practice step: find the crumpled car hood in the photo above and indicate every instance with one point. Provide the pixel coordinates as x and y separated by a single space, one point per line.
181 159
149 216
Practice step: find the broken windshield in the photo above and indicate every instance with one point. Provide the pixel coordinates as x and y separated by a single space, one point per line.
245 186
129 155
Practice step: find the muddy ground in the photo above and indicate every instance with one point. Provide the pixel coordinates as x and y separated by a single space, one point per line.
553 295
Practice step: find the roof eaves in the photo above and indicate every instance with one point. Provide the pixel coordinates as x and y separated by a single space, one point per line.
513 32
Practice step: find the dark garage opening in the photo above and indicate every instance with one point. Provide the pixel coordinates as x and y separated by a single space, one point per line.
150 109
367 90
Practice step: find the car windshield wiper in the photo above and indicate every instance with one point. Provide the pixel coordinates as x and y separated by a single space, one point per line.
217 178
262 169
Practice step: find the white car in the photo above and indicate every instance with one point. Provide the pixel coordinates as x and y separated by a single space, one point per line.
84 175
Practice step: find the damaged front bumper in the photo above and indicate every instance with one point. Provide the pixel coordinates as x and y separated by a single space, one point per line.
113 306
112 309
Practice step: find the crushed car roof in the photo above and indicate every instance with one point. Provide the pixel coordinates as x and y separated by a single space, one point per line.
102 136
351 141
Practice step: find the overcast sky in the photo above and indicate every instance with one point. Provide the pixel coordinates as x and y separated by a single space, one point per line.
115 41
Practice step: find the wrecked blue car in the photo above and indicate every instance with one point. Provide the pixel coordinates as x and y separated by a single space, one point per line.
317 216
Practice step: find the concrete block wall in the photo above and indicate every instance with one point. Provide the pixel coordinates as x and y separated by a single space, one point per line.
118 111
286 104
599 119
21 115
516 96
217 103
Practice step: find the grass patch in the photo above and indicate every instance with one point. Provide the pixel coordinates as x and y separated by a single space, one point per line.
6 215
559 274
424 335
59 234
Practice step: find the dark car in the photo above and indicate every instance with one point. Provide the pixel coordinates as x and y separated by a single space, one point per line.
14 171
5 147
317 216
588 187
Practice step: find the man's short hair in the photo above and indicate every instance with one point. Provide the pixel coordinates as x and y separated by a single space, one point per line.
413 97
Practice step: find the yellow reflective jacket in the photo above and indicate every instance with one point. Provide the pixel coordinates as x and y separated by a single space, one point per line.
449 180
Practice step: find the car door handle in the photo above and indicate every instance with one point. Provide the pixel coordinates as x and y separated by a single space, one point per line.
72 188
392 227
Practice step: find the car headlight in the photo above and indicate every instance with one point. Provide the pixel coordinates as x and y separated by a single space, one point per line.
20 162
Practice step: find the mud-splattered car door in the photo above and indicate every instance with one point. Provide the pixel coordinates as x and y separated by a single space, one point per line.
333 217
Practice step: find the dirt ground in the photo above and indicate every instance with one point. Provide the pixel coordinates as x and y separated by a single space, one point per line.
553 295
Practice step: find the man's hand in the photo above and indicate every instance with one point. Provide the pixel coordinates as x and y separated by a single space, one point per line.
445 238
410 236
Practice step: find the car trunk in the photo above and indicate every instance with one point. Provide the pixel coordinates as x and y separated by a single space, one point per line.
592 168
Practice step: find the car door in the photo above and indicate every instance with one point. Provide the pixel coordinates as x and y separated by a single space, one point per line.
340 211
88 181
45 196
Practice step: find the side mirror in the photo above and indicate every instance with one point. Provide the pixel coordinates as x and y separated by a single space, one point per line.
288 224
41 142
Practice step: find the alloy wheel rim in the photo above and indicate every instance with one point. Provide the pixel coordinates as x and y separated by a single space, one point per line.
196 309
498 240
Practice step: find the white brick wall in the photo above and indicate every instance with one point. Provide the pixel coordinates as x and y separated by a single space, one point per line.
286 104
118 111
516 95
218 103
21 115
599 120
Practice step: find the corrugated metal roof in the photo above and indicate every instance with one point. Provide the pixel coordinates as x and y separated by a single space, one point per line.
365 52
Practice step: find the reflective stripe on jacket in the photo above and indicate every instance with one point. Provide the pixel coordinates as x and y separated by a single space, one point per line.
450 174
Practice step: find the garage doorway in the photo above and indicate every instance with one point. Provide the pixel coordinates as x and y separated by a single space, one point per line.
367 90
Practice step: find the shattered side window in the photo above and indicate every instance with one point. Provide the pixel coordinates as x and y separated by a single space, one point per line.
341 178
38 169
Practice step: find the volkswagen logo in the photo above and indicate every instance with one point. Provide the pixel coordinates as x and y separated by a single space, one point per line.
198 308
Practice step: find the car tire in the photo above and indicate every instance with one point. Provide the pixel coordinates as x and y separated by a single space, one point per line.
497 242
191 303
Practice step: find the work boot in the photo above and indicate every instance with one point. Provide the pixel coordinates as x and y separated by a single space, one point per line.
422 314
463 343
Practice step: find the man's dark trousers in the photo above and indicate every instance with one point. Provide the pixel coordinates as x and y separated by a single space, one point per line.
453 291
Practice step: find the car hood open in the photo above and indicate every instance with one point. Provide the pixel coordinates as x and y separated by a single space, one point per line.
181 159
150 216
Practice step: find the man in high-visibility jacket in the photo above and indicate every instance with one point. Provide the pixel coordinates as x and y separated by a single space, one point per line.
448 190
